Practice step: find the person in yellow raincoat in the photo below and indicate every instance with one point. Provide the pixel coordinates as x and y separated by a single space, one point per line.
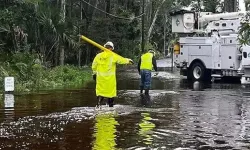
104 72
105 132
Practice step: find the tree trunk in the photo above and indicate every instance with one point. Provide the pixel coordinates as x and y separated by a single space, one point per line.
71 9
142 30
42 52
107 7
88 27
80 29
230 5
62 55
87 55
14 40
247 2
58 2
62 15
56 57
63 11
79 57
154 19
149 12
164 36
36 27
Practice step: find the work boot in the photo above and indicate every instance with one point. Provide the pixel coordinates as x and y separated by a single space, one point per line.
99 100
147 92
141 89
111 102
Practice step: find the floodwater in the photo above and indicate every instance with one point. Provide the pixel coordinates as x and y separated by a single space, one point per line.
176 116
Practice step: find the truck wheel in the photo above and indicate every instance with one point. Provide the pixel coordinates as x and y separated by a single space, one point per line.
197 72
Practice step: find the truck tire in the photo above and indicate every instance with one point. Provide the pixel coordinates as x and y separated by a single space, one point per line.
197 72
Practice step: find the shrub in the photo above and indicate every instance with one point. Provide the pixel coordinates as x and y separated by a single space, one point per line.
30 75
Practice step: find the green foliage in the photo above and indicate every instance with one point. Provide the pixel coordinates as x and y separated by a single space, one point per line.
7 17
149 46
68 76
39 26
30 75
202 5
244 34
32 1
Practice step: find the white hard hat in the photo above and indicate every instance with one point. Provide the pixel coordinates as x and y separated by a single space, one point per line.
151 51
109 44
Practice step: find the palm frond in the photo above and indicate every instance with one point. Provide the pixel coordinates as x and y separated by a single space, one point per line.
70 41
5 28
3 71
47 24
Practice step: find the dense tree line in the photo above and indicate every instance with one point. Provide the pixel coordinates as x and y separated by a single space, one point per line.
51 28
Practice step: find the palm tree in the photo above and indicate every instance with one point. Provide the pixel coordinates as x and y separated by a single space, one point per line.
56 32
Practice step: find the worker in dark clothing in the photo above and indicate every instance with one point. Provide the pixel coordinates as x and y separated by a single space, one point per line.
145 65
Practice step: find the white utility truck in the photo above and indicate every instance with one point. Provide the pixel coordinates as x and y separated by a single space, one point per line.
208 46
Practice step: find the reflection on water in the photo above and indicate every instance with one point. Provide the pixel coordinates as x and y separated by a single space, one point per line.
197 86
146 127
145 100
9 102
105 132
203 86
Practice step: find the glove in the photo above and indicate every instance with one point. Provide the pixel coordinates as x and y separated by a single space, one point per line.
94 77
130 61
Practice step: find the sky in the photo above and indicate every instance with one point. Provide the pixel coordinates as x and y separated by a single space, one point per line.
242 5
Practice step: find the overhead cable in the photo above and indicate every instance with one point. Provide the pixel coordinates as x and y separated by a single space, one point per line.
112 14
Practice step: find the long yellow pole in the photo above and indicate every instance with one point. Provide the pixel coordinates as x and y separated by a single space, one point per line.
97 45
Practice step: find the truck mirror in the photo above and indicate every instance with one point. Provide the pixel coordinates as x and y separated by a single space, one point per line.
245 54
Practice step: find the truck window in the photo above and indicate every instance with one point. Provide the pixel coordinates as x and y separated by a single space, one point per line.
245 54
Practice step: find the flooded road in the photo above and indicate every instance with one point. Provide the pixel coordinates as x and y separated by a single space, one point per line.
177 115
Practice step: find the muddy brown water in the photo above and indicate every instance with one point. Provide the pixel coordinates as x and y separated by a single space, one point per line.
177 115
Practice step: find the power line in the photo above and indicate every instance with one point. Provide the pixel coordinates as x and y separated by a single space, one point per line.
113 14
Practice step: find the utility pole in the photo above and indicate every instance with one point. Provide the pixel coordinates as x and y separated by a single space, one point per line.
142 30
231 5
164 35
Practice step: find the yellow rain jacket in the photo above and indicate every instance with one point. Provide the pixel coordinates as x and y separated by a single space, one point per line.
104 66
